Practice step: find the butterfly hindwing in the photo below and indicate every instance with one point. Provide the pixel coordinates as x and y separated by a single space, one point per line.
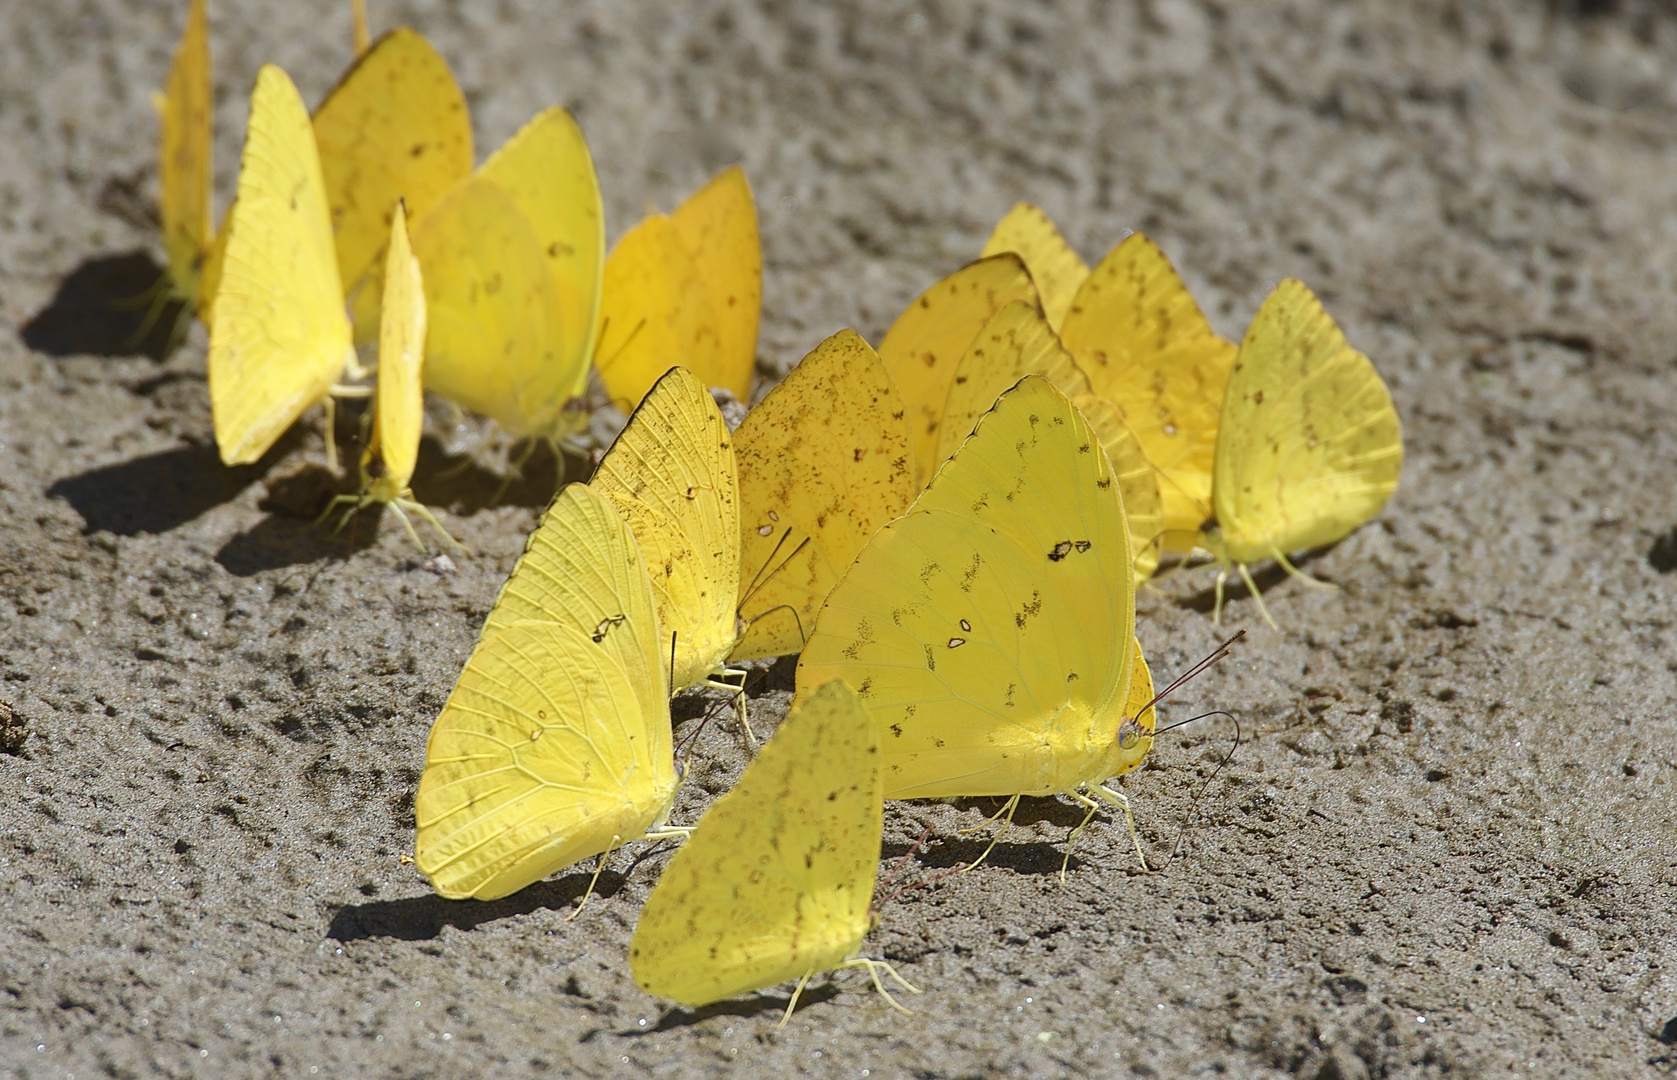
395 127
1309 445
185 112
555 743
824 461
990 631
924 345
1055 267
280 335
671 475
1147 348
776 880
718 226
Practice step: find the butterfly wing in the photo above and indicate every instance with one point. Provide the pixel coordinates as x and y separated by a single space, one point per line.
395 127
1057 269
718 226
776 880
671 476
824 461
582 567
547 170
1137 480
1146 347
399 410
555 743
493 337
990 631
924 345
280 335
1309 445
1017 341
186 112
655 311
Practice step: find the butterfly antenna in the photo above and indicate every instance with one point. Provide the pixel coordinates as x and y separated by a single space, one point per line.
764 575
1189 675
705 718
1193 807
605 325
896 867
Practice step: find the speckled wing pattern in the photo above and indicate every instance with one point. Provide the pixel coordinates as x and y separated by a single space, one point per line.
823 461
671 475
1057 269
494 330
1309 445
776 880
280 337
655 311
555 744
394 128
1017 342
1137 480
399 408
718 226
547 170
990 631
924 345
1147 348
185 111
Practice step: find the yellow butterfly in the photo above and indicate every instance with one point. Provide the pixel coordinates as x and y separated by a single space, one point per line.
671 475
685 289
555 744
399 404
990 632
932 334
1056 268
1148 349
824 461
280 337
185 112
1308 444
1017 342
512 258
394 128
776 881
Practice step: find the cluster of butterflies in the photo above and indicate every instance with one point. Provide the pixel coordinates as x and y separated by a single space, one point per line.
515 300
950 530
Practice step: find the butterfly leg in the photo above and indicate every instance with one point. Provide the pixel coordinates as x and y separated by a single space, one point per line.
599 866
1252 587
1008 808
1217 609
873 967
1302 577
1092 806
515 471
1122 802
425 512
408 525
357 503
715 682
797 993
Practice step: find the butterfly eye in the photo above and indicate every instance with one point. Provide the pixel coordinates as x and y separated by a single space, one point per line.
1129 733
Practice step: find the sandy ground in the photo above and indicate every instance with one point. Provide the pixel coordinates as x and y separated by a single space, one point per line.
1446 843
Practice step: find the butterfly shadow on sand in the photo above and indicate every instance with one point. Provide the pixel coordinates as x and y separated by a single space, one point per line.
422 918
1204 600
156 493
679 1016
105 307
1021 855
291 534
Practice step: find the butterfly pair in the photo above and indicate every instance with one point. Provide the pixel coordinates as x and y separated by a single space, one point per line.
1287 442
